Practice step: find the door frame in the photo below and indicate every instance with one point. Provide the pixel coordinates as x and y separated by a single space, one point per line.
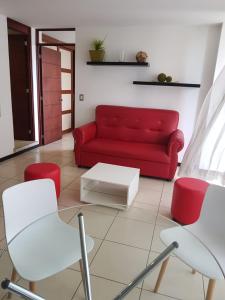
51 42
26 30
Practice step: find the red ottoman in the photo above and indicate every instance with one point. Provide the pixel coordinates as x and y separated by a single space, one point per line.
188 195
44 170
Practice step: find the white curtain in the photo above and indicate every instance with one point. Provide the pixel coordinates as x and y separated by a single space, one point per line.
205 155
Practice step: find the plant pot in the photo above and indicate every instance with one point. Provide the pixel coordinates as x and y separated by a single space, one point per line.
97 55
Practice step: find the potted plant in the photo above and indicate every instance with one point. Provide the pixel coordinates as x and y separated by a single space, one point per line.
98 51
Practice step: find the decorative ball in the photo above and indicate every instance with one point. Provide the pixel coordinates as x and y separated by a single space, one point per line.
162 77
141 56
169 78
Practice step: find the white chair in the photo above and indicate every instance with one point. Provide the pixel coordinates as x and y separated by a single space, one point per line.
40 244
202 244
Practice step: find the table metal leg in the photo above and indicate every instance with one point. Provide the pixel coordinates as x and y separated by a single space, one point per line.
86 274
19 290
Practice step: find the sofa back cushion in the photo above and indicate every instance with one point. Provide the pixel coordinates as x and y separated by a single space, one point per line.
131 124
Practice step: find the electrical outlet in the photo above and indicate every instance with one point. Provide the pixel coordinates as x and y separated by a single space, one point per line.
81 97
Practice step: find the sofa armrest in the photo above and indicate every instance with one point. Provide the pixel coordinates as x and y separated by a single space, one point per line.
84 133
176 142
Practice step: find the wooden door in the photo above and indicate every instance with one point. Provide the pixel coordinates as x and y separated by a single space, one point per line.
67 81
19 75
51 95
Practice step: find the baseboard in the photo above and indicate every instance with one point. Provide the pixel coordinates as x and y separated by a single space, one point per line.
18 153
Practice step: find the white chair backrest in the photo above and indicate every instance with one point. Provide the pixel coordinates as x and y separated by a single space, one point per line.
26 202
210 227
212 217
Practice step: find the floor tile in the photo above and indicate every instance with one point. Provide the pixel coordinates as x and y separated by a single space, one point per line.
19 177
146 295
66 214
131 232
69 198
1 210
168 187
3 245
165 211
71 171
96 224
118 262
91 255
101 209
140 214
5 269
157 245
75 184
178 281
146 183
2 228
145 206
149 197
61 160
66 180
60 286
10 171
166 199
3 179
103 289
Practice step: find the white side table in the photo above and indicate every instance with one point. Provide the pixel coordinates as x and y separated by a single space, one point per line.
110 185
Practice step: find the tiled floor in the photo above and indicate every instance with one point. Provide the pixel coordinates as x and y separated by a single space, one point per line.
125 241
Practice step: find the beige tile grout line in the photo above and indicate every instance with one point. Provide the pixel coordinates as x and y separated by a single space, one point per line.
157 213
96 254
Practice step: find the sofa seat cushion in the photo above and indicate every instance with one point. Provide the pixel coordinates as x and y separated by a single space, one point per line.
142 151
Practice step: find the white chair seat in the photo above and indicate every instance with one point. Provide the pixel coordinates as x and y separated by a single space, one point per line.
46 247
192 252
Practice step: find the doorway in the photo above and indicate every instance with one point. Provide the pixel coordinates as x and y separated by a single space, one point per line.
20 62
56 60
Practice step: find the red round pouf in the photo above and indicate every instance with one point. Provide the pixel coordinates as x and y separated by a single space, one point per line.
44 170
188 195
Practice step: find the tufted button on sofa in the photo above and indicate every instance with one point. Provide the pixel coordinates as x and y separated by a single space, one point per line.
143 138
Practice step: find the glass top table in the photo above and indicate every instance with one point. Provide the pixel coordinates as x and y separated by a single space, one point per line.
125 243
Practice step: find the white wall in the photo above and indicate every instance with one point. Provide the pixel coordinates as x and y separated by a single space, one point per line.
6 122
185 52
64 36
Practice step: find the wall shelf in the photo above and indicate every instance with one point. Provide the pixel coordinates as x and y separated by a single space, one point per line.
118 63
193 85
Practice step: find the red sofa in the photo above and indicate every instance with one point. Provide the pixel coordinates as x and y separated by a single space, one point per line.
135 137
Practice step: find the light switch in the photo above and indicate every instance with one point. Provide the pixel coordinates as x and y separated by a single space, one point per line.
81 97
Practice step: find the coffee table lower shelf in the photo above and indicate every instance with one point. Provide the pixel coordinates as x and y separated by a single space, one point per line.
109 200
107 194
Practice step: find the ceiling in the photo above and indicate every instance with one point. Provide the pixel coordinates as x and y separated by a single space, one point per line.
74 13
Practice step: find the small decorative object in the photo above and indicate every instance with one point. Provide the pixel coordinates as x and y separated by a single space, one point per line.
162 77
141 57
169 78
98 51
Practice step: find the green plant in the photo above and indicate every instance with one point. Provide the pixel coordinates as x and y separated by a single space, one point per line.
98 44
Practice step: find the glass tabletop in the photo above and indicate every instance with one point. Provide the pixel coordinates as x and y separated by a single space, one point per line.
126 241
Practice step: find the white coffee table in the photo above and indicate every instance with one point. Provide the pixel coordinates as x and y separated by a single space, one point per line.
110 185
